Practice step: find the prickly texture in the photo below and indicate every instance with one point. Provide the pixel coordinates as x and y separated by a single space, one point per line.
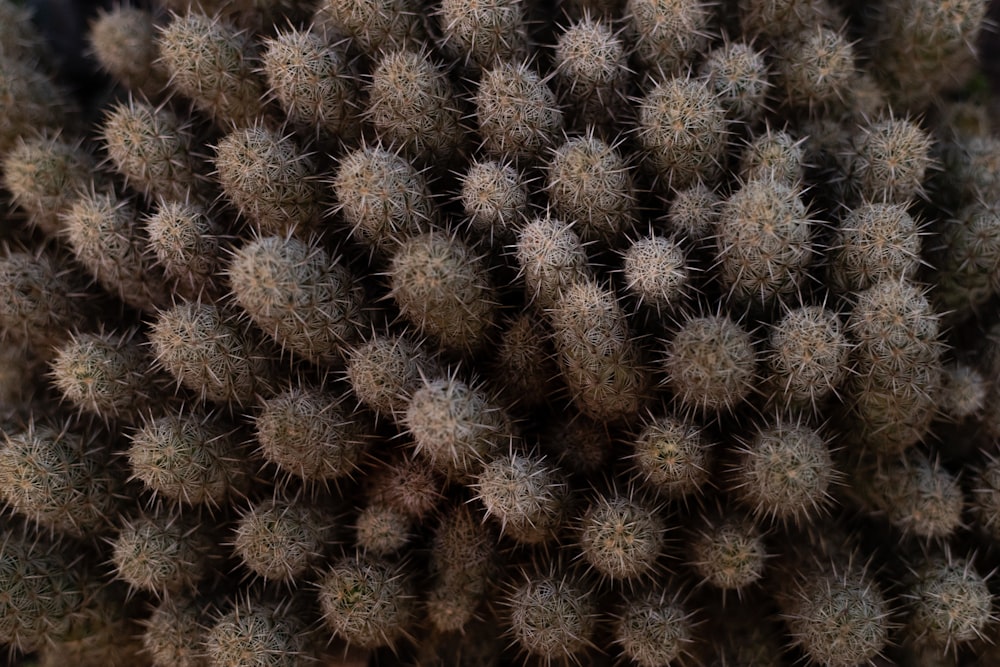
894 322
44 591
281 540
457 426
109 375
175 632
694 213
293 290
654 628
19 38
970 171
896 365
710 364
915 492
890 161
682 128
463 560
551 616
123 40
517 113
964 391
667 32
312 434
104 233
526 494
269 179
590 183
381 531
154 149
315 84
920 47
968 268
494 198
784 473
551 257
368 603
591 73
36 303
259 633
985 497
163 553
656 273
483 34
385 371
838 618
815 68
727 550
29 102
524 371
382 197
875 242
212 63
44 175
445 290
774 155
407 484
60 478
807 356
948 603
188 243
260 16
672 457
602 364
212 354
621 537
764 242
891 414
739 77
191 459
776 18
413 107
376 26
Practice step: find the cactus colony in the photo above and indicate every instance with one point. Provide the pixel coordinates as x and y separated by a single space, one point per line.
490 332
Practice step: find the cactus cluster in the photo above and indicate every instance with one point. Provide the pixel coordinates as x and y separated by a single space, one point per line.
498 332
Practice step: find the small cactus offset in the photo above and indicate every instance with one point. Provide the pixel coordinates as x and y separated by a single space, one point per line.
412 105
154 150
295 291
315 84
44 175
190 458
653 333
311 433
124 42
445 290
212 63
211 353
517 112
269 179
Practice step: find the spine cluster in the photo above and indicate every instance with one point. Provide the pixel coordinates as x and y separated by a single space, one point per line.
652 333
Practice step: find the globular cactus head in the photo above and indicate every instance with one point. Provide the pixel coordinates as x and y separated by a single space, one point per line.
517 112
711 364
369 603
552 616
